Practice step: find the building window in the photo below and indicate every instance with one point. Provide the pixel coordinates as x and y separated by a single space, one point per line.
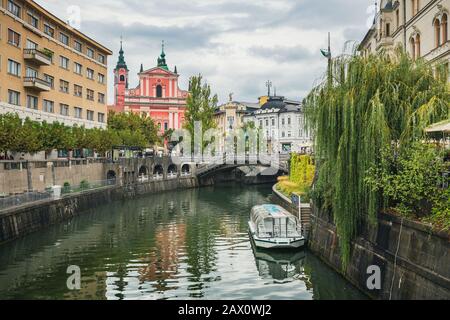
78 68
78 112
64 39
159 92
63 86
260 123
50 80
283 134
48 30
101 98
289 121
101 58
33 21
101 78
31 73
64 109
31 45
101 117
14 68
90 74
437 32
418 46
267 122
397 17
32 102
90 53
282 121
90 115
412 47
48 106
13 38
90 94
273 122
122 78
78 90
14 97
444 27
166 126
64 62
14 8
388 29
78 46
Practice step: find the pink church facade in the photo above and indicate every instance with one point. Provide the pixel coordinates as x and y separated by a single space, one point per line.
157 95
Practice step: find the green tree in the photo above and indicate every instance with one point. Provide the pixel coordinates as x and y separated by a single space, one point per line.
10 126
370 102
200 106
28 138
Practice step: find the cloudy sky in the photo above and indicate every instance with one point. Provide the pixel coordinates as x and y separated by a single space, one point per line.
236 45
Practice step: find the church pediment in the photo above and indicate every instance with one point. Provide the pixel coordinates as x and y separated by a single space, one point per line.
158 71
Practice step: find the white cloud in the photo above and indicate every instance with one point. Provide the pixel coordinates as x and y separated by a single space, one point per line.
236 45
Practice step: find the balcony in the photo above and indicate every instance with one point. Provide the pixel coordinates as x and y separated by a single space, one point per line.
36 84
37 57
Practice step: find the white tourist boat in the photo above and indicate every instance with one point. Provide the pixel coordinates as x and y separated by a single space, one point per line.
272 227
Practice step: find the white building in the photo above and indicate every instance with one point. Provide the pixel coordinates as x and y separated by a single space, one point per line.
419 26
283 123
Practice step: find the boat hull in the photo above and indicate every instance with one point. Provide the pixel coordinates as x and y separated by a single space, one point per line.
275 243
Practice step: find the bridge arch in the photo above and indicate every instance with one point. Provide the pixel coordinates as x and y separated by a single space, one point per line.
143 171
158 169
172 168
186 169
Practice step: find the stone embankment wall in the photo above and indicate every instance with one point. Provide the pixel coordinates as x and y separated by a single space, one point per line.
412 258
18 221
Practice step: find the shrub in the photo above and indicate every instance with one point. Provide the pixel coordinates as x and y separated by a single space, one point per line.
84 185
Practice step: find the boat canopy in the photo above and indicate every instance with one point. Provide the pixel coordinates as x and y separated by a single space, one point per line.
274 221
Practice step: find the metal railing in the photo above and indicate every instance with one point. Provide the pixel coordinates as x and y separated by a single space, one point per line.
24 198
85 185
38 53
35 80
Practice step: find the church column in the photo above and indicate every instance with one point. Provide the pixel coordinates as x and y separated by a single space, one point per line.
170 119
176 120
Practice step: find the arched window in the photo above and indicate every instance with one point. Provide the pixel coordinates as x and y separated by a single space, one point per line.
122 78
444 27
412 44
437 32
159 91
418 53
413 7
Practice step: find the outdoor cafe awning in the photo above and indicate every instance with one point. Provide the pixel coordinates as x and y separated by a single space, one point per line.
443 126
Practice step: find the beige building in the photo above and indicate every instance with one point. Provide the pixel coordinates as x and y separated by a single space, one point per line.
49 70
420 26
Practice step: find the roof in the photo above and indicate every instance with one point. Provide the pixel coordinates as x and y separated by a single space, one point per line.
443 126
270 211
70 29
281 105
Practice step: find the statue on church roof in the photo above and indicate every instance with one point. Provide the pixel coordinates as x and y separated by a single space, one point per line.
162 59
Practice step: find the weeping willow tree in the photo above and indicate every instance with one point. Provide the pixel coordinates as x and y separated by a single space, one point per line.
367 104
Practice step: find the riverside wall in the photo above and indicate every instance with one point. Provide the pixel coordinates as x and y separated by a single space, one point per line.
413 259
130 178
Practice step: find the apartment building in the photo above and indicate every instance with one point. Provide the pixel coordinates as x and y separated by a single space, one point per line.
420 26
50 71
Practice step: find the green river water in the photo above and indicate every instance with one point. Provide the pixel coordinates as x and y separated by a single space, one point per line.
190 244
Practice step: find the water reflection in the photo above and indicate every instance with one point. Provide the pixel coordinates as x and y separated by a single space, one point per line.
189 244
281 266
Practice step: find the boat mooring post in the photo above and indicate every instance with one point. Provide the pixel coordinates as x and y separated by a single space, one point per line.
296 201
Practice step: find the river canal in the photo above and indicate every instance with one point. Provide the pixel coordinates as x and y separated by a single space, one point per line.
190 244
